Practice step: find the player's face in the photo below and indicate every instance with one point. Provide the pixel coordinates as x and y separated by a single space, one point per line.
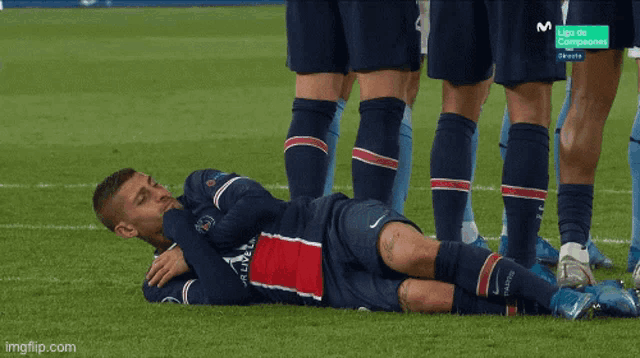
144 202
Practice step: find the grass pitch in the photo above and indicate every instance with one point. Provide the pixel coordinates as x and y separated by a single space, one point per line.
84 92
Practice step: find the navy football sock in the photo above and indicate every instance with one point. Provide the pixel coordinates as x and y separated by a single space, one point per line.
375 154
305 150
451 174
525 179
468 303
575 202
488 274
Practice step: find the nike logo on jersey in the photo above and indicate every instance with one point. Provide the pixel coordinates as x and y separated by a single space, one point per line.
378 221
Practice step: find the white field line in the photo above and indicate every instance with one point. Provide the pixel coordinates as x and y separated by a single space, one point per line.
267 186
92 227
100 228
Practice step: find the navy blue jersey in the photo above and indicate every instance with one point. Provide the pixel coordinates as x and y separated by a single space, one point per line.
224 215
245 246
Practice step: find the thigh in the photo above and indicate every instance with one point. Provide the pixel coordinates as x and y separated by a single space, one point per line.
522 50
315 37
381 34
355 230
354 289
459 47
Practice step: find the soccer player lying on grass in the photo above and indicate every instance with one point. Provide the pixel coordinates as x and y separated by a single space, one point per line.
237 244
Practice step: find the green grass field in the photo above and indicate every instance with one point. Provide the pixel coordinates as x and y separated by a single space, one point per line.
84 92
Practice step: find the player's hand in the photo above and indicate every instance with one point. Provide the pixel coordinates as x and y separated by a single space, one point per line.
168 265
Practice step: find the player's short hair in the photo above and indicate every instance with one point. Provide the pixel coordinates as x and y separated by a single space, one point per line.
106 190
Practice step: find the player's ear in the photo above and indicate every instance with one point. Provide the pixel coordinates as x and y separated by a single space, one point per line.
125 230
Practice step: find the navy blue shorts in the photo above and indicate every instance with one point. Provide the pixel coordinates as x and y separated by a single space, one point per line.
622 17
354 274
468 37
331 36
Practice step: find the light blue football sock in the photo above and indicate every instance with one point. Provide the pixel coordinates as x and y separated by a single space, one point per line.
634 164
403 174
559 123
468 210
332 142
504 137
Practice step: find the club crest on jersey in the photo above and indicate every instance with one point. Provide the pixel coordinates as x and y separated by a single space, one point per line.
211 183
205 223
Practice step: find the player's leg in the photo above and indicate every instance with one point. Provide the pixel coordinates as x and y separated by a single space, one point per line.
317 53
463 93
545 253
428 296
470 233
528 91
384 49
634 164
334 131
594 86
400 189
475 270
579 152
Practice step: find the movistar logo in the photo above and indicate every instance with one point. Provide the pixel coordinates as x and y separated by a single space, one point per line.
545 27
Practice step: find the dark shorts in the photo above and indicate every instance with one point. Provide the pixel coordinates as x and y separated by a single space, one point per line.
468 37
360 35
354 274
622 17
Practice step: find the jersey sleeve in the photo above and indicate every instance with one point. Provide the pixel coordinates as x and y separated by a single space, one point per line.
216 283
245 205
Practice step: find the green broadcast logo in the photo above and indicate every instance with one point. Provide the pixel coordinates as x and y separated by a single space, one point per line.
582 36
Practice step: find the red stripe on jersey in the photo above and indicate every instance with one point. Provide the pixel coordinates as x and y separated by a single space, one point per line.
523 193
290 264
484 277
450 184
372 158
308 141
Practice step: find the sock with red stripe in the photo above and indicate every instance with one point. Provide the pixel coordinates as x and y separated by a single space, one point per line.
525 178
465 303
451 169
305 150
486 274
575 202
375 154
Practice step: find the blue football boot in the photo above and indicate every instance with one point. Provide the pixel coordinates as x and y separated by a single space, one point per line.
545 253
633 258
573 305
635 294
596 258
480 242
613 299
544 272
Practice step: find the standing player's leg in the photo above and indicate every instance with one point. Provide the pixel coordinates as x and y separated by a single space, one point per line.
317 52
384 50
596 258
463 93
400 189
334 131
528 83
470 233
634 164
545 253
580 146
